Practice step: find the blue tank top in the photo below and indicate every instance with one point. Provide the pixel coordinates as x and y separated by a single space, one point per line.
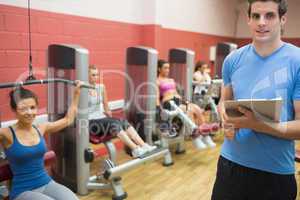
27 165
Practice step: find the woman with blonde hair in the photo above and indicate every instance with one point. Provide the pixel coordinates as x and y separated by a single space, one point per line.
102 123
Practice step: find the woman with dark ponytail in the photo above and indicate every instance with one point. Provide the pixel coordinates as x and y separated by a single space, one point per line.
24 146
167 92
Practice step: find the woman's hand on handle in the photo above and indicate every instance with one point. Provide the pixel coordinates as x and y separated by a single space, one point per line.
72 111
78 85
54 127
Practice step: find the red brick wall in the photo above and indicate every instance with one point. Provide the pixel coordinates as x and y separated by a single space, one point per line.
105 40
163 39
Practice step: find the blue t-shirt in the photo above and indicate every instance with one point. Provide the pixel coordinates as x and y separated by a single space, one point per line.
252 76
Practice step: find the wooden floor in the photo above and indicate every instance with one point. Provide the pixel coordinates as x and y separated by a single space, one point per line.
190 178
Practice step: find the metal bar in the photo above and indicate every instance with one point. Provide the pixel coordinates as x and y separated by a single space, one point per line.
120 169
183 116
93 178
43 81
98 186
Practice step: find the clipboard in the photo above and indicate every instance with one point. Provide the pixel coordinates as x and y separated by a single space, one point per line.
263 109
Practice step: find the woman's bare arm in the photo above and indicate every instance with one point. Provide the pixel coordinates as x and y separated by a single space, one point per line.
54 127
105 103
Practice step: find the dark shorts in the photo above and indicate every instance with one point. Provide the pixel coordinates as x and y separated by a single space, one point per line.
107 126
167 105
236 182
176 124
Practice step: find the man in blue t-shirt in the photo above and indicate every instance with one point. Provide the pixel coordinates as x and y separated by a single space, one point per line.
257 158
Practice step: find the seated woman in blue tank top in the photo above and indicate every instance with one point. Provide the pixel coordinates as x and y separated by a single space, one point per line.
102 123
24 146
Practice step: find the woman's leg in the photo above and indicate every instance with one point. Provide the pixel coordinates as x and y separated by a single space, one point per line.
32 196
111 126
131 132
190 113
59 192
136 151
126 140
114 126
199 120
197 139
196 112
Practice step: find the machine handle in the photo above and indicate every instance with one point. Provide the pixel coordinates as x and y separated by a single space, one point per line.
42 81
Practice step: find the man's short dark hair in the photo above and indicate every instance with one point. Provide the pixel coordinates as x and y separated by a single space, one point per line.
282 6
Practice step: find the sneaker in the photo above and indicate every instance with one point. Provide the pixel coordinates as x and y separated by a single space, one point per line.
138 152
148 148
198 143
208 141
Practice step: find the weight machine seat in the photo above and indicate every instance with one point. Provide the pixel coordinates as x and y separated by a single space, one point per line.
95 139
102 138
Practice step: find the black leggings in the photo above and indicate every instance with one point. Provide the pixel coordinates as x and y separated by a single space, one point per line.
107 126
176 123
167 105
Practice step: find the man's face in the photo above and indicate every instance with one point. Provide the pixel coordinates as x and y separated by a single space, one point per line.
265 23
